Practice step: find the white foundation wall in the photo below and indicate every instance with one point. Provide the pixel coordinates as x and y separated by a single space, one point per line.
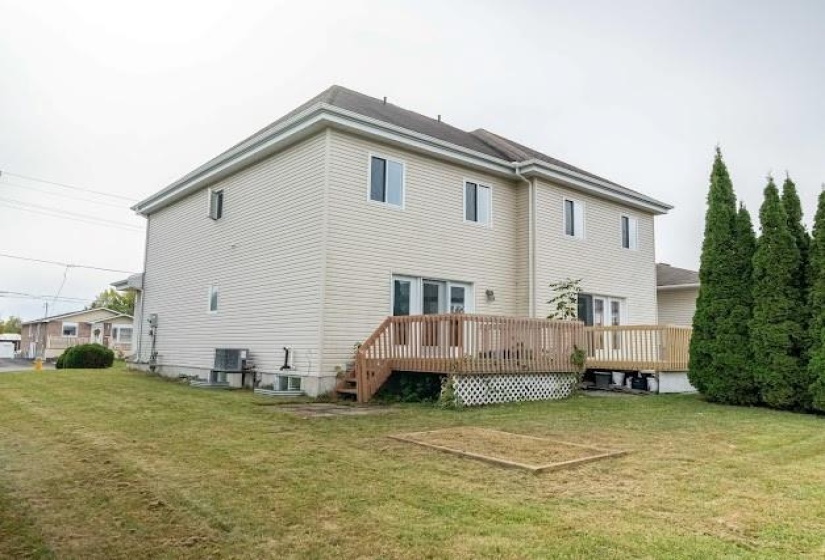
265 257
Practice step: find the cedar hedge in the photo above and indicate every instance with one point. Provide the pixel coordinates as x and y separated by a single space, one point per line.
86 356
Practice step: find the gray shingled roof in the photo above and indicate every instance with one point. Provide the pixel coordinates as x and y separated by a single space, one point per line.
480 140
667 275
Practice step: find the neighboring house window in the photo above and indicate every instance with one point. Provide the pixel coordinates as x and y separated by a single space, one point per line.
630 233
386 181
213 299
216 204
573 218
69 329
123 334
477 203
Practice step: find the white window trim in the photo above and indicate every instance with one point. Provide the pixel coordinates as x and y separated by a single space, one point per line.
210 191
489 223
388 159
623 306
583 233
212 289
63 325
633 224
117 330
417 290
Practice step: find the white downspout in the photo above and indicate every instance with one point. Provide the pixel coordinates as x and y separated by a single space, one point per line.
531 242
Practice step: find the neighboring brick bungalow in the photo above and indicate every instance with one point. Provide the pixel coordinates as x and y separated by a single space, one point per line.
48 337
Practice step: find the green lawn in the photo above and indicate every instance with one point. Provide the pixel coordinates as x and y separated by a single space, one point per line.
113 464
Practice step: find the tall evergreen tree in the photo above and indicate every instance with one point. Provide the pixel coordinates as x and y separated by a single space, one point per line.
776 332
735 382
816 329
793 208
718 277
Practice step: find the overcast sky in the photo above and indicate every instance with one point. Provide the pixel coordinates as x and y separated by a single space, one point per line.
124 98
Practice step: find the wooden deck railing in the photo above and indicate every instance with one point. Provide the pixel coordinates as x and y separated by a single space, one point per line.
638 347
61 342
465 343
484 344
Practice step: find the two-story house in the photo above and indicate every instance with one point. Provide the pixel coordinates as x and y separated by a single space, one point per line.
305 237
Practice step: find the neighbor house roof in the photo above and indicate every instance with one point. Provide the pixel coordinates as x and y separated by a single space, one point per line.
355 112
73 314
673 277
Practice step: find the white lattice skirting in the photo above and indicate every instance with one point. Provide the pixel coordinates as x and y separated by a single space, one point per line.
491 389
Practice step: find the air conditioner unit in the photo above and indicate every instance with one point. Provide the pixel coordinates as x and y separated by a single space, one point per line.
230 360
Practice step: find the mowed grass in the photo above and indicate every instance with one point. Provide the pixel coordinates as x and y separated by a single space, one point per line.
115 464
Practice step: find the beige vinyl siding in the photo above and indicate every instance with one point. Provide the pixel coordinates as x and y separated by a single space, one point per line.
264 255
368 242
604 267
676 307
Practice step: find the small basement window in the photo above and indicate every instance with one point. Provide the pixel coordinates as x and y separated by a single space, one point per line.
386 181
216 204
289 383
69 329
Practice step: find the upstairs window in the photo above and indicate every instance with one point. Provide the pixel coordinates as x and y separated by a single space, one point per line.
630 233
477 203
573 218
69 329
213 299
216 204
387 181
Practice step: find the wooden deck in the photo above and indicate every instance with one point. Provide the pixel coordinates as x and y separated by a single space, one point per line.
484 344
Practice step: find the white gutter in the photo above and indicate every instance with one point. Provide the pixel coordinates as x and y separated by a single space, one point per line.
674 287
315 118
592 185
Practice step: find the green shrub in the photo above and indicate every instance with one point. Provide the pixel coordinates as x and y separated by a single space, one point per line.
86 356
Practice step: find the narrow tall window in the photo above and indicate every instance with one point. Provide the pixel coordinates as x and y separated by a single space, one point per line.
477 203
386 181
630 233
216 204
573 218
213 299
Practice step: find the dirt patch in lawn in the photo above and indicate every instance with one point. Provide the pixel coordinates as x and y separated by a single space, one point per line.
507 449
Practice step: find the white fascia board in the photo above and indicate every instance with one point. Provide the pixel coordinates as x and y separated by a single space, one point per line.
270 142
303 125
675 287
322 115
374 128
590 185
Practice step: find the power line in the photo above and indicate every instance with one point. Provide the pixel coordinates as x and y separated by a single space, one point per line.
65 186
62 283
24 295
64 195
55 213
67 265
